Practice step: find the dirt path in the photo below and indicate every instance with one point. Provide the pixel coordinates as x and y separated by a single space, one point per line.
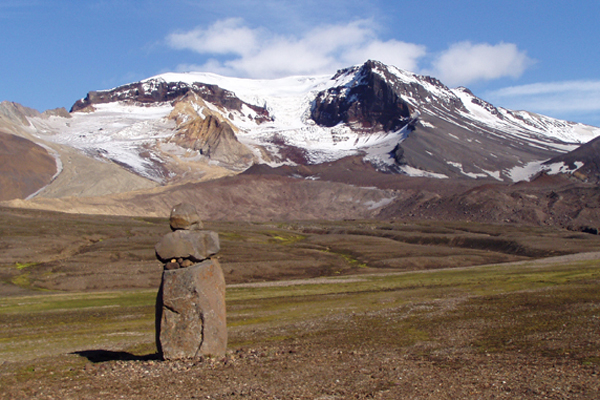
569 258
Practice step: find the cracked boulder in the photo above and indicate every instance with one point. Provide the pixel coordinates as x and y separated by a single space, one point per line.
190 312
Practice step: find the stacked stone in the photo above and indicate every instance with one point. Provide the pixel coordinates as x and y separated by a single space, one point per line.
190 306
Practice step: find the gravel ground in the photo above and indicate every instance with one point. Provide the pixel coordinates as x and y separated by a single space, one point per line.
293 372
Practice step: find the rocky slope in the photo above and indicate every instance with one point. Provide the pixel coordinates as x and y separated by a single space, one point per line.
157 90
208 133
583 163
237 198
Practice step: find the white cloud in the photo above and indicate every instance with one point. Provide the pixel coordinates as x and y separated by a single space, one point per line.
223 37
257 53
465 62
400 54
281 58
550 87
567 97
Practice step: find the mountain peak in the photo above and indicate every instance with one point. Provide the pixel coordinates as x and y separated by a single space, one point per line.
367 102
16 112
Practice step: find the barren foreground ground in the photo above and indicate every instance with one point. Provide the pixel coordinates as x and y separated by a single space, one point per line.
319 310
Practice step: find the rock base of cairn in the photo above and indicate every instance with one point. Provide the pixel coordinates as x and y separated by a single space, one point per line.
190 306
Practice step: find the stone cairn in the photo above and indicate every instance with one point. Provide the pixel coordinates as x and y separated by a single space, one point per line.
190 306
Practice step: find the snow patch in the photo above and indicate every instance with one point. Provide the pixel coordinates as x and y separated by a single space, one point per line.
494 174
415 172
525 172
462 171
372 205
528 171
524 123
561 168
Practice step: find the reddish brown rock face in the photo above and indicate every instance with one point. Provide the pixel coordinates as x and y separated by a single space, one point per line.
190 312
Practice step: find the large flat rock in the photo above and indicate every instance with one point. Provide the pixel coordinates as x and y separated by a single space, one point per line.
194 245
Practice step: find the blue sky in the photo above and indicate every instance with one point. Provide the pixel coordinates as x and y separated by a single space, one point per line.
541 56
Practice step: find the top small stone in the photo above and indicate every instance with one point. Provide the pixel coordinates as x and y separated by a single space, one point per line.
184 216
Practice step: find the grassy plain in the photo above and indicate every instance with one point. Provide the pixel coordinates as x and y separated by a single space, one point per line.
66 252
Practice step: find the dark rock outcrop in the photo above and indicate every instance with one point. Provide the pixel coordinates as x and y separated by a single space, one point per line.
367 103
398 154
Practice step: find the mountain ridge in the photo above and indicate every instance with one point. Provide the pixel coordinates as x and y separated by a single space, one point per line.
370 109
391 143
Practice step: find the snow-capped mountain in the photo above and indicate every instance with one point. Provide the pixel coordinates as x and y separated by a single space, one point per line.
174 124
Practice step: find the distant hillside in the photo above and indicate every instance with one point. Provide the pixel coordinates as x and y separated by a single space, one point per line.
25 167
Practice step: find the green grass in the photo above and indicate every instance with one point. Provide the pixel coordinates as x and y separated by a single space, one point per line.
283 237
348 258
21 280
48 324
475 281
21 266
76 301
